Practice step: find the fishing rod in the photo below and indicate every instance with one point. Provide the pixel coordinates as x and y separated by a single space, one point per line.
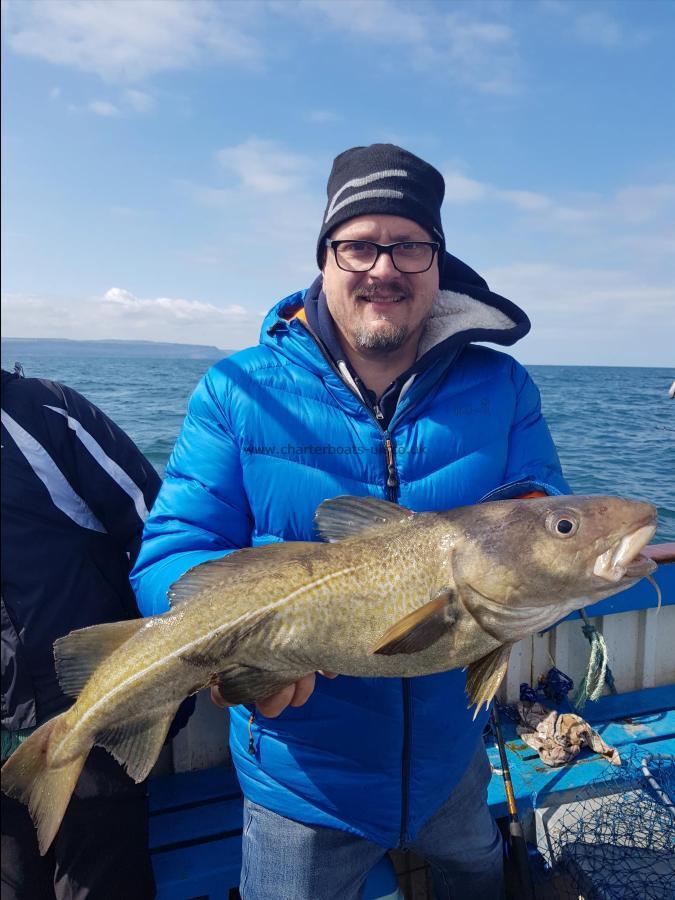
517 842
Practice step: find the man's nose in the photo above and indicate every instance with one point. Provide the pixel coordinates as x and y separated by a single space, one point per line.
384 267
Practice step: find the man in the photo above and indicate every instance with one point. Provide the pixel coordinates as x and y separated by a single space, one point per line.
367 383
75 493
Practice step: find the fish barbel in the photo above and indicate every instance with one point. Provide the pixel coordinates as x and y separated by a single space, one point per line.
388 593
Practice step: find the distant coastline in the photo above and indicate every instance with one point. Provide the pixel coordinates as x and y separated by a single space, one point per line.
118 348
13 348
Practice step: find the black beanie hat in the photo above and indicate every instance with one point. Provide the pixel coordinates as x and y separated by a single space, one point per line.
383 179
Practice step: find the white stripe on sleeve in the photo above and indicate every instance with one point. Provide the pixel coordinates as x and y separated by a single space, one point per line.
115 471
44 467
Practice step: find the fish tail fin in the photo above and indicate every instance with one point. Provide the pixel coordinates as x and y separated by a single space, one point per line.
45 790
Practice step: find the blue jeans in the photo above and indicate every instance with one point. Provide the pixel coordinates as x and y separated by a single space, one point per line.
286 860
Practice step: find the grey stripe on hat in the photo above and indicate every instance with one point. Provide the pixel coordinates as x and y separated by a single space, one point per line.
360 182
113 469
363 195
62 494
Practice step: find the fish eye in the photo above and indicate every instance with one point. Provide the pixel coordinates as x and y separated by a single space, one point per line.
563 525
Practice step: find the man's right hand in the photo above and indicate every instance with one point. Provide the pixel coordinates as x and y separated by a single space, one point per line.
295 694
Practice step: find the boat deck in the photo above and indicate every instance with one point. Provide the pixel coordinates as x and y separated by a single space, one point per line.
644 719
196 819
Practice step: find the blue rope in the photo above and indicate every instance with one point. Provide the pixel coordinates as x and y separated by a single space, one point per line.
554 686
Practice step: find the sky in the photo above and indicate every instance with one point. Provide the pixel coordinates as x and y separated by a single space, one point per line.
164 162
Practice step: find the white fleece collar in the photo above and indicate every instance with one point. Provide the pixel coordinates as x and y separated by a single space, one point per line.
452 313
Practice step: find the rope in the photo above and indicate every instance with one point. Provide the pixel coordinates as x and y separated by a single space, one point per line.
598 672
554 686
661 794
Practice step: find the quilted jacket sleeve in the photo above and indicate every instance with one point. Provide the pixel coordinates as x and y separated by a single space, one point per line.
533 463
202 511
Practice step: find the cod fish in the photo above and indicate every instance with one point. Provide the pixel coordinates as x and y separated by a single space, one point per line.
388 593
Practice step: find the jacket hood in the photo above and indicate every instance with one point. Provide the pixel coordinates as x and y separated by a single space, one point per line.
466 311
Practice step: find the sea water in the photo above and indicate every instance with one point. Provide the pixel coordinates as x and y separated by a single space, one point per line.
614 427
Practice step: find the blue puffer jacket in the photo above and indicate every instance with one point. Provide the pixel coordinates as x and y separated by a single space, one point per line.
270 433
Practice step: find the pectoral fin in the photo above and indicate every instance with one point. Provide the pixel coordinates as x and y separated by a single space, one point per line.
420 629
485 675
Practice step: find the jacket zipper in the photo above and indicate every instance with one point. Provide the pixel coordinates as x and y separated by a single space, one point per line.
251 742
392 474
392 495
405 759
378 416
392 492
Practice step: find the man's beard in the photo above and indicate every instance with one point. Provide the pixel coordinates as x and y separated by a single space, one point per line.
382 339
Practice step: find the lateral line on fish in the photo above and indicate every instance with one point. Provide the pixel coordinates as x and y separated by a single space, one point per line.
229 625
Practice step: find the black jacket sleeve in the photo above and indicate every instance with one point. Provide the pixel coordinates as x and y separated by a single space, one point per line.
109 472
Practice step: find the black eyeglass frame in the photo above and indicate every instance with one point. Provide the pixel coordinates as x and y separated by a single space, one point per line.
382 248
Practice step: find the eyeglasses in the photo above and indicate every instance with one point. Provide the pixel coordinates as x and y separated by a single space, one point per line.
410 257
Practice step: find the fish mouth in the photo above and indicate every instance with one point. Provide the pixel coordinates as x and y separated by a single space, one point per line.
624 559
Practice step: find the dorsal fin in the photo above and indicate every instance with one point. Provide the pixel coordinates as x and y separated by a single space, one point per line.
208 574
345 516
78 654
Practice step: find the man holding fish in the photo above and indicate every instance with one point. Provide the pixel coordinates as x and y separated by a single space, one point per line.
374 356
368 384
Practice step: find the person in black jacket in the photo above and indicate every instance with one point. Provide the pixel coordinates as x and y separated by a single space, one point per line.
75 493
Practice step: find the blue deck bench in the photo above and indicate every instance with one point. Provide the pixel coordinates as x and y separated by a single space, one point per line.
195 838
195 833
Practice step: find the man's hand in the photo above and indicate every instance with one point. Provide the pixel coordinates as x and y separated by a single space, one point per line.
294 695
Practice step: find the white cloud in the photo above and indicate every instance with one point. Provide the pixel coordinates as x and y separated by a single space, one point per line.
127 212
265 218
560 291
599 29
265 166
103 108
584 315
594 27
120 315
594 271
322 117
642 203
127 40
525 200
139 101
449 44
460 189
632 205
185 311
270 232
378 19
